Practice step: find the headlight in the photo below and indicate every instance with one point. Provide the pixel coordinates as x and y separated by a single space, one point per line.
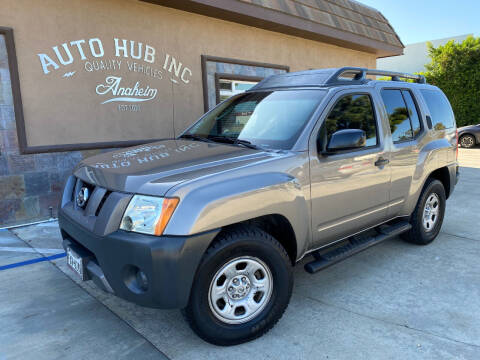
148 214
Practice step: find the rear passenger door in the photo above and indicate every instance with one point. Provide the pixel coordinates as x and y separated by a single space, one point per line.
349 189
405 129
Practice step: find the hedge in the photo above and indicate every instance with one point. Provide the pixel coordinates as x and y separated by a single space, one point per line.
455 68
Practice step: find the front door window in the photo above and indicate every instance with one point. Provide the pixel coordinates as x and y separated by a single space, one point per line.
354 111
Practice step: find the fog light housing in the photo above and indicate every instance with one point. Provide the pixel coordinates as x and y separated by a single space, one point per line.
135 279
142 280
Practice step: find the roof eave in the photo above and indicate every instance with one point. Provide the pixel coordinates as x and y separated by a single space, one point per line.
268 19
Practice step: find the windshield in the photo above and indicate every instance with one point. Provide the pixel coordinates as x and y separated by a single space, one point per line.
271 119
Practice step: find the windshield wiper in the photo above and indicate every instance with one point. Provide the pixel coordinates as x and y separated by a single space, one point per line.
247 143
230 140
196 137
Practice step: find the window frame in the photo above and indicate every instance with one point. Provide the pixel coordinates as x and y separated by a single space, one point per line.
417 108
329 109
208 77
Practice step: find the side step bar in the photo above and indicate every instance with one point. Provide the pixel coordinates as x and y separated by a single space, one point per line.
355 245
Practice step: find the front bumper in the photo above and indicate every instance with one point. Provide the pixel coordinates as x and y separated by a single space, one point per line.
169 262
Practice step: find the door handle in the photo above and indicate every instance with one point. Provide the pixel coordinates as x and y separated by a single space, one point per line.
381 162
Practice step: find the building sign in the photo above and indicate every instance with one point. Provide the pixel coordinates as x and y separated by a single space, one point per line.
132 56
106 89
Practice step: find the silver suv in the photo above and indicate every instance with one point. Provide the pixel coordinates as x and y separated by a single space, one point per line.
324 163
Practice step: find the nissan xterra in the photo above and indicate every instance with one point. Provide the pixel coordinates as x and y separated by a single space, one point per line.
324 163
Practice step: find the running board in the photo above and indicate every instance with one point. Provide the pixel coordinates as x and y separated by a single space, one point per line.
355 245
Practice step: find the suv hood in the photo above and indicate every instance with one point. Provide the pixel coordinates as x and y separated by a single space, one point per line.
155 168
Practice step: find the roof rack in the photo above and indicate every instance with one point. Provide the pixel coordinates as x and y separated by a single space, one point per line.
329 77
359 75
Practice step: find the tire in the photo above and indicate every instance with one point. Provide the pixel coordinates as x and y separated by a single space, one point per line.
424 232
243 247
467 141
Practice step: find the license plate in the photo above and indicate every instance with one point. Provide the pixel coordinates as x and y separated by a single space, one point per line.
75 262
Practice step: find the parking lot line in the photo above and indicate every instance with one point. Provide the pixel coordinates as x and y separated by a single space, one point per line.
32 261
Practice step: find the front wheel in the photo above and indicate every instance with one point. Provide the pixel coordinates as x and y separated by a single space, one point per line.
242 287
427 217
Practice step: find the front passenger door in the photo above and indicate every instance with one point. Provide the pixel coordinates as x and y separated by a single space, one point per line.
349 188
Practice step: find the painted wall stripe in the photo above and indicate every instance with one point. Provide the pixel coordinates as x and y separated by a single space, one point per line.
33 261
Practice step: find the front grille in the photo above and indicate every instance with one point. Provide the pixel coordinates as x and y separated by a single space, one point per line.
104 198
101 213
88 198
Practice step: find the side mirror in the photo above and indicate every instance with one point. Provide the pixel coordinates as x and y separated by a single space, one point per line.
347 139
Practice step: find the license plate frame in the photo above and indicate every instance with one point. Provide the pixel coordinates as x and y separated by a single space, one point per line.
76 263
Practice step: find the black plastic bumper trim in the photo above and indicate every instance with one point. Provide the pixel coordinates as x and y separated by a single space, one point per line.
169 262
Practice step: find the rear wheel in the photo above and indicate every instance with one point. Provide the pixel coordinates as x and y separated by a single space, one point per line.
467 141
427 218
241 289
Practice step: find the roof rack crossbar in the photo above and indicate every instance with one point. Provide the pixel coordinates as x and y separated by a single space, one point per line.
360 75
396 76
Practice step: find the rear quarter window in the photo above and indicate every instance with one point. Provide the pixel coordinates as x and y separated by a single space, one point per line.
440 109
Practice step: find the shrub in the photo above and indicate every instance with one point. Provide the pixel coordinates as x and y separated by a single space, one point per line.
455 68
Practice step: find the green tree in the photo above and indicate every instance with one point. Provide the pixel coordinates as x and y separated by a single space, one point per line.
455 68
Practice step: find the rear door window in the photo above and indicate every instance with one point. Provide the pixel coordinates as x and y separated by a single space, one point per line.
397 111
412 112
440 109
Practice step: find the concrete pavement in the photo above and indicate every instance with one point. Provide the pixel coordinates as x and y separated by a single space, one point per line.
45 315
469 158
395 300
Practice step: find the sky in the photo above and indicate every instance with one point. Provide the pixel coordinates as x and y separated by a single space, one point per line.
423 20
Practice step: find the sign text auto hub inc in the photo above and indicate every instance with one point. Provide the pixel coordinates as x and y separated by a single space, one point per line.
119 60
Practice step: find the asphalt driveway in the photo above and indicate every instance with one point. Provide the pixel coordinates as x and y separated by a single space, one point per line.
394 300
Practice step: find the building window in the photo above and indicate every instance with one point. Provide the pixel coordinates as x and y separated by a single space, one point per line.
227 85
223 77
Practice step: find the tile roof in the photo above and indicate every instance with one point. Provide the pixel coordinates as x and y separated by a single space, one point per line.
346 15
346 23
